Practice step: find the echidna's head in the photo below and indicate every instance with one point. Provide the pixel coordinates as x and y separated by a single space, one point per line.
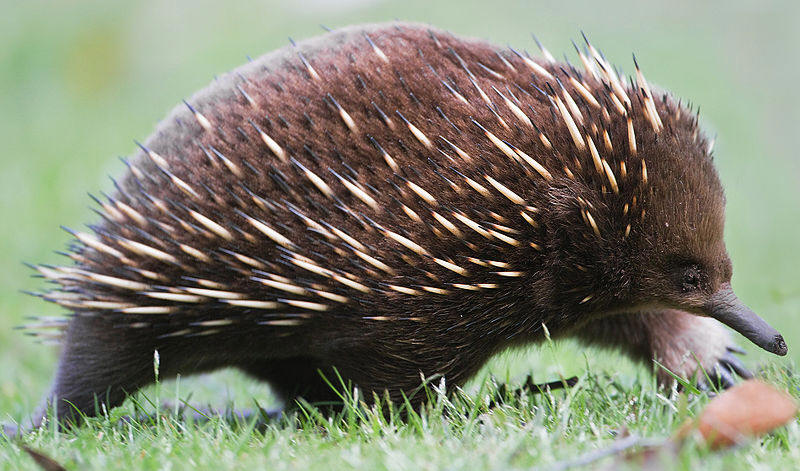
676 253
684 261
656 241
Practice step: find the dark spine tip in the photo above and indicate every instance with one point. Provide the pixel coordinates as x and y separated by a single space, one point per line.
188 106
141 146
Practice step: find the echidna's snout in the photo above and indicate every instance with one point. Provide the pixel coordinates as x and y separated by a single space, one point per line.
728 309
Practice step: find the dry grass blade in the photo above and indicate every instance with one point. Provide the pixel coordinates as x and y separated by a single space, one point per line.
44 461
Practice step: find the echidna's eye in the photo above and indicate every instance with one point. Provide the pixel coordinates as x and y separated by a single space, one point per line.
691 279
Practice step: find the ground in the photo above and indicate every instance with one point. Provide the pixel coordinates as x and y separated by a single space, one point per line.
81 80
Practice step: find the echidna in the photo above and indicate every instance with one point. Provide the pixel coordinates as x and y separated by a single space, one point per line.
392 201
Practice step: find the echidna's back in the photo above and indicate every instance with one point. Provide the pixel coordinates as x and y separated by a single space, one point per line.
320 177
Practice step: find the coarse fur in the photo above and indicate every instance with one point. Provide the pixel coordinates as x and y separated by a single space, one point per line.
394 202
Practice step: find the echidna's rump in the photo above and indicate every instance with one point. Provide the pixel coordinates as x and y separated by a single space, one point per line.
392 201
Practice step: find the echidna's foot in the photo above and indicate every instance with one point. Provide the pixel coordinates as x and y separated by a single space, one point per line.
548 386
723 374
693 347
530 387
675 343
15 430
10 431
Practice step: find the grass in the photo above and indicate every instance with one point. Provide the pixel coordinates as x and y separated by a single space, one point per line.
537 431
80 80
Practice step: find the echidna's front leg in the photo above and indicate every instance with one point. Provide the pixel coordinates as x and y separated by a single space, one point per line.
682 343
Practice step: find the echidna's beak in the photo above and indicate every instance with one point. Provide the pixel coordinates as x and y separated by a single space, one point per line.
725 307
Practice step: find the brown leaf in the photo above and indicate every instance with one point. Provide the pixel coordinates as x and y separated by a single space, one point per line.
747 410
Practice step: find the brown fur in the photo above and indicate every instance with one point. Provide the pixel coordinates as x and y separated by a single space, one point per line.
603 286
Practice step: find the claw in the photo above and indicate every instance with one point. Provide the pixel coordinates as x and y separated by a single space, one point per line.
734 364
737 349
552 385
722 376
532 388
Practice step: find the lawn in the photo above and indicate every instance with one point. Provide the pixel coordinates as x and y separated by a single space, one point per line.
80 80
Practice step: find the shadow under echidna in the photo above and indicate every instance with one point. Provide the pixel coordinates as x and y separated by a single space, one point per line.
390 202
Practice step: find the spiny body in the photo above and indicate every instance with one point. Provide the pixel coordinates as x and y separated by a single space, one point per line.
392 201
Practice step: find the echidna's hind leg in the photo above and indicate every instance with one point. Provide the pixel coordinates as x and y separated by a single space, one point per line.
99 366
680 342
298 377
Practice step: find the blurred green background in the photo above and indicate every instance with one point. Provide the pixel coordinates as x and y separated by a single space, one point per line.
79 80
